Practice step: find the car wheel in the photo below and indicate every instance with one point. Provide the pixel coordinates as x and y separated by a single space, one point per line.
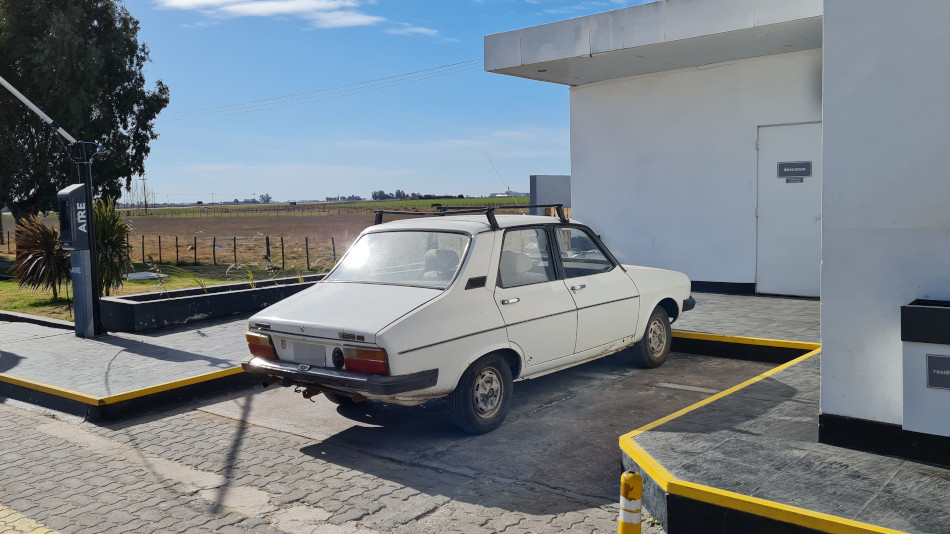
481 400
342 400
654 348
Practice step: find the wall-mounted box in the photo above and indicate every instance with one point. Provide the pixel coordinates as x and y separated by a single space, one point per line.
925 331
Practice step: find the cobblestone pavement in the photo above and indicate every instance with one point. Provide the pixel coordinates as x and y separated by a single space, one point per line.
190 471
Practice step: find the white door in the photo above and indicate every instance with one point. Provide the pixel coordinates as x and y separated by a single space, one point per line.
788 239
606 298
539 312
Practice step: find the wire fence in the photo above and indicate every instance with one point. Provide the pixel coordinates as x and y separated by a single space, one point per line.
297 253
225 211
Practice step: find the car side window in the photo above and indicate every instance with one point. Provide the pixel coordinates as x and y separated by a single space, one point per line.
525 258
579 253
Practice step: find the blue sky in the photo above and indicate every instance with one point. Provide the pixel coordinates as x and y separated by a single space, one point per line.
225 62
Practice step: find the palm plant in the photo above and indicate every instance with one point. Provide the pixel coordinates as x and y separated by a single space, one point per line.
112 246
41 262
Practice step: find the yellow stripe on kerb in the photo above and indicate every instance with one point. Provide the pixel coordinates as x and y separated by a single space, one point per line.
171 385
717 396
93 400
15 522
736 501
774 510
52 390
764 342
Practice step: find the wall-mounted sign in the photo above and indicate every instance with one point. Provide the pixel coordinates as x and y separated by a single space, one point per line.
938 371
794 169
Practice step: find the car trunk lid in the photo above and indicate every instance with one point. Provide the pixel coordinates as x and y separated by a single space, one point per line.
342 310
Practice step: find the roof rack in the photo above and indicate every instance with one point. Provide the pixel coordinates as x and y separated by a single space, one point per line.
489 212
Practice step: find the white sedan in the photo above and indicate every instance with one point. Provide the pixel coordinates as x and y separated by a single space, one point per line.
460 306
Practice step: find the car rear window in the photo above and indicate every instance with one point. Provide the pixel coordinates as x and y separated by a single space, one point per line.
412 258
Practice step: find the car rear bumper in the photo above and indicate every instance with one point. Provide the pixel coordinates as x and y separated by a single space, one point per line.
344 380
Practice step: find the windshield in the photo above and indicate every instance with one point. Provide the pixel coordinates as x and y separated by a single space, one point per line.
412 258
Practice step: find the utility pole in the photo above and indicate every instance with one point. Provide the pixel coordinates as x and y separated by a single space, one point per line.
81 153
145 193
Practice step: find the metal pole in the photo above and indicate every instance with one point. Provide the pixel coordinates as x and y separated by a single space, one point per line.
84 164
38 111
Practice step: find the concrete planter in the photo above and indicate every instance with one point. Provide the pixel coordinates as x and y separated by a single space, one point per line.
147 311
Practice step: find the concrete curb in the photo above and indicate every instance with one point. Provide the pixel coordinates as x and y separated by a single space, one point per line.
15 317
115 407
689 507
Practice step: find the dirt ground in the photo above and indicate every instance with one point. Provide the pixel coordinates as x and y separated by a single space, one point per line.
243 240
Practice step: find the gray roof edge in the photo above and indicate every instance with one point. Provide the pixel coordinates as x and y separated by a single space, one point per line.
653 18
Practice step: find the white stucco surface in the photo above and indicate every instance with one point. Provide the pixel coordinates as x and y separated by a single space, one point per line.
886 221
664 165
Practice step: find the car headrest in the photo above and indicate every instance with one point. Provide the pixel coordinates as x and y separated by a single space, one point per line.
515 263
441 260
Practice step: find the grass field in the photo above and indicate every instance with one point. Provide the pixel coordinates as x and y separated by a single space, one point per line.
316 208
12 298
198 238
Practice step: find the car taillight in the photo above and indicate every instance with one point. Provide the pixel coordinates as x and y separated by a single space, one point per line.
260 345
372 361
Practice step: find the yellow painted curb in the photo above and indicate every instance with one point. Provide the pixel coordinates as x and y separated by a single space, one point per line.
727 499
713 398
93 400
171 385
764 342
773 510
52 390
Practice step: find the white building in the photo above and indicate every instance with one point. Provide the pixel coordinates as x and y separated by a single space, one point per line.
782 146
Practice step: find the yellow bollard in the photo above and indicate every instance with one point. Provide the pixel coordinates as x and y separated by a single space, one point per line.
631 490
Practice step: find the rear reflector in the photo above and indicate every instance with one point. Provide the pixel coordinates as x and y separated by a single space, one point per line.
260 345
372 361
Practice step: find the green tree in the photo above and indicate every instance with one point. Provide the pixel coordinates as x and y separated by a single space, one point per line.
81 62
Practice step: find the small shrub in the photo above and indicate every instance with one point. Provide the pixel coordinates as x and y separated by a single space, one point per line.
41 262
112 246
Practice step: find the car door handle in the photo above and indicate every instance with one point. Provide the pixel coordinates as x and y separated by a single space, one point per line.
578 287
510 301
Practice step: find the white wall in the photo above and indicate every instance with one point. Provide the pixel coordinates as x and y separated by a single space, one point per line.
886 196
664 165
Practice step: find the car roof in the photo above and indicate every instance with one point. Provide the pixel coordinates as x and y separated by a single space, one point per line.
472 224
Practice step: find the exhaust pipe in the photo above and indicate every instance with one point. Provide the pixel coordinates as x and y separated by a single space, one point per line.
270 381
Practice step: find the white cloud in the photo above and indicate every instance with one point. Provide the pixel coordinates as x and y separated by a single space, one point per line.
270 8
343 19
408 29
319 13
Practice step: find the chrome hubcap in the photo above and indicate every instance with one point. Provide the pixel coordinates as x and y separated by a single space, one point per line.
656 337
487 392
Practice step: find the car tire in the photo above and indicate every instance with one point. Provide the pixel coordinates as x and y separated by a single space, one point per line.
482 398
651 351
341 400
